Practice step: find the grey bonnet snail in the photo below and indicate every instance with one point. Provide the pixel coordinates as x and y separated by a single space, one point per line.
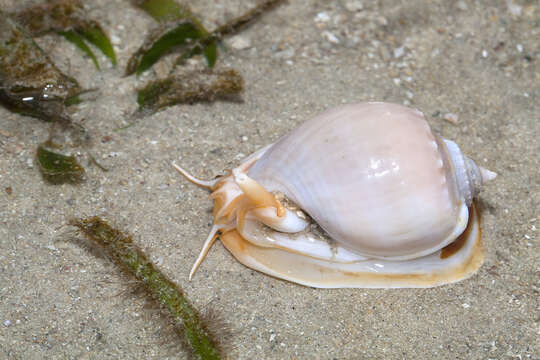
363 195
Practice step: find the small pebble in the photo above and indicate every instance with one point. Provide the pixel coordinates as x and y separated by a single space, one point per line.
322 17
158 261
330 37
354 5
462 5
451 117
240 42
484 53
399 52
162 69
513 8
7 322
115 40
285 54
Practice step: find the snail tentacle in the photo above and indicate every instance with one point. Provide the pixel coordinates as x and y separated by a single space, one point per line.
205 184
214 233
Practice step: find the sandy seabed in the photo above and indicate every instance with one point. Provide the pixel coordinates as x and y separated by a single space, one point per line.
472 67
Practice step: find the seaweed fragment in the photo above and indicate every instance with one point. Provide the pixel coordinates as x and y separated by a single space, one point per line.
133 260
188 88
249 17
49 16
76 39
57 168
210 41
67 18
178 30
181 31
94 161
162 40
164 10
30 84
174 33
93 33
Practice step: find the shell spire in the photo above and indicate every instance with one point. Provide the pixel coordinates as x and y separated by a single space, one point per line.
469 177
486 174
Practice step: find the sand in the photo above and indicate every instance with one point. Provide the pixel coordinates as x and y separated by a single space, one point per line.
471 67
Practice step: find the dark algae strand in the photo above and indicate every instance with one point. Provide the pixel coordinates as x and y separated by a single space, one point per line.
57 168
69 19
134 261
189 88
30 84
180 31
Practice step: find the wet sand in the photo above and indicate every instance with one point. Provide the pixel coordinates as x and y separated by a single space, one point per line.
471 67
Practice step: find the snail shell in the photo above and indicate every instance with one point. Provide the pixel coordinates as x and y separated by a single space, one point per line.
363 195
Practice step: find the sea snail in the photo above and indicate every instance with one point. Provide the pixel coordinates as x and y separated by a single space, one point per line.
362 195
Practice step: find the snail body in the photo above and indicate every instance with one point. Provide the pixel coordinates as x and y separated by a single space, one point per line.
363 195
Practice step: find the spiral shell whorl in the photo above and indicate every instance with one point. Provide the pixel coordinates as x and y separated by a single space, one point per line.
469 176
